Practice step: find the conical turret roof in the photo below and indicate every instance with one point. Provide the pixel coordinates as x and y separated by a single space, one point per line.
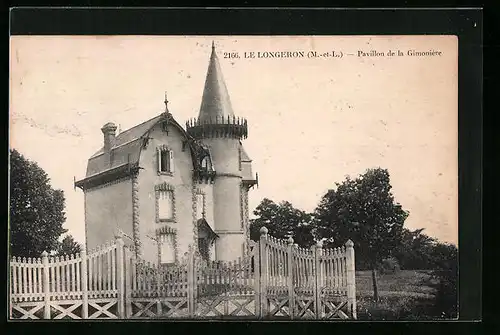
215 102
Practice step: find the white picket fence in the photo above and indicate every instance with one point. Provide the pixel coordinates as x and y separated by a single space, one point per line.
276 279
305 281
68 286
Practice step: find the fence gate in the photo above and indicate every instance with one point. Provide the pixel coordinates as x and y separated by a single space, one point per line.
227 289
299 283
154 291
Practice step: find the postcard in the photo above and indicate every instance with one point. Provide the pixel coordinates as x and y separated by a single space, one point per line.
233 177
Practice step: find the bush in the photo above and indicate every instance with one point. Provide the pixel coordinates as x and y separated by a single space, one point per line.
446 274
446 301
389 265
394 307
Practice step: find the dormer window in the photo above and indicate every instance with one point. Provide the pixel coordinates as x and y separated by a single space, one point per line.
206 164
165 160
204 169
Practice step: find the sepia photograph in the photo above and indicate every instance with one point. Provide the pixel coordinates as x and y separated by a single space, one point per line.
233 177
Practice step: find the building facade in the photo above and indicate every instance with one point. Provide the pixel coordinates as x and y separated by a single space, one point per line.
166 188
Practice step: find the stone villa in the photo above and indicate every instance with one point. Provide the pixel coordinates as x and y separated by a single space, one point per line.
166 188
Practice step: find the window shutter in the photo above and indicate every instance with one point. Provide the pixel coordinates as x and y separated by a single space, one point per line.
170 204
158 158
171 161
161 205
165 160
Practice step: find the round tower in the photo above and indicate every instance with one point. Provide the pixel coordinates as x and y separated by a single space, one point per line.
221 131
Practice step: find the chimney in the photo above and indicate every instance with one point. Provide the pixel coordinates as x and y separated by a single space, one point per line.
109 131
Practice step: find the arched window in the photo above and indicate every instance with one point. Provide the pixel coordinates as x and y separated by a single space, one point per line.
206 164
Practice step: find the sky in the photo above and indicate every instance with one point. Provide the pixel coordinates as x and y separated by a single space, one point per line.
312 121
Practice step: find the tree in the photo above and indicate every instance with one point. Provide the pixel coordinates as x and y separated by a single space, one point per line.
36 209
445 262
363 210
282 220
304 236
413 252
420 251
68 246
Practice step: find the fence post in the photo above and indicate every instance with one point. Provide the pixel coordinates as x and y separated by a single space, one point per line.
84 281
127 255
196 268
46 288
351 279
159 308
291 293
12 288
120 280
317 277
263 271
256 278
191 284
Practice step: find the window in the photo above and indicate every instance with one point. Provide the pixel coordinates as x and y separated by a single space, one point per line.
166 205
205 164
165 202
167 250
165 160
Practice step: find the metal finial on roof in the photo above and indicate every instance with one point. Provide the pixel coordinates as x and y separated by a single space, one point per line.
213 45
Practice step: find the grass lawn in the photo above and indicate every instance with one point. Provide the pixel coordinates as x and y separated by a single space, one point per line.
404 295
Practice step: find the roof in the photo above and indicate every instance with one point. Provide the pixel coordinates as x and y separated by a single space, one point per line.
244 155
203 224
126 149
120 171
215 103
131 134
